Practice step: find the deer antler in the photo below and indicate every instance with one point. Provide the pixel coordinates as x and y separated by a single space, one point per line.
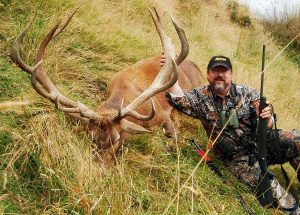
169 69
39 75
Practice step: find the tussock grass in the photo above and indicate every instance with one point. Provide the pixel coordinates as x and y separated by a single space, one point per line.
46 158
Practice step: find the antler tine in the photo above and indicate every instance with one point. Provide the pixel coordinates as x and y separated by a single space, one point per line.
161 82
162 35
183 40
64 25
42 76
156 13
181 34
38 75
81 109
34 83
124 112
15 51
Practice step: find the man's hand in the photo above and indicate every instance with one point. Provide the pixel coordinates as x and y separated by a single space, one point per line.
162 59
267 113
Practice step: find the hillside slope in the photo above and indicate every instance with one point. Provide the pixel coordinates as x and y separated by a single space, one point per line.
46 165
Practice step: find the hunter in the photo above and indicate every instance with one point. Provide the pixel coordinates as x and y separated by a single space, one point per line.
236 146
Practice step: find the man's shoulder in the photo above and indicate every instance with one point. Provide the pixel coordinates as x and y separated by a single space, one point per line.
244 88
198 93
247 91
202 90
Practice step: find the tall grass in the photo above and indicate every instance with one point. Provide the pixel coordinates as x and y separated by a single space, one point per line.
46 158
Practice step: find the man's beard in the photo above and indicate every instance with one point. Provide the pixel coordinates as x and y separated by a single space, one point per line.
219 88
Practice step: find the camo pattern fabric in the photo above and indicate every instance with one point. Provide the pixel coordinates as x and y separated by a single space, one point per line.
237 146
203 104
240 167
279 152
287 149
284 150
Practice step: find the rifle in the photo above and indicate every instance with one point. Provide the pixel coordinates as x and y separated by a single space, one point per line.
214 168
264 192
208 160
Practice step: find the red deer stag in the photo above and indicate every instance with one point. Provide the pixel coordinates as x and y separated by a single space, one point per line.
131 87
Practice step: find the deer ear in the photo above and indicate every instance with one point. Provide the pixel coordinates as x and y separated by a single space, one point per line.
131 127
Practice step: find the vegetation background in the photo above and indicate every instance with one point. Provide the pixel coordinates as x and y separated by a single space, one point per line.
46 165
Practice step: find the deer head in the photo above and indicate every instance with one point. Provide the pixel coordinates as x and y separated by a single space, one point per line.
107 127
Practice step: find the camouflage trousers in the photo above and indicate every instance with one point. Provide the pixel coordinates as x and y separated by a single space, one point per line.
287 149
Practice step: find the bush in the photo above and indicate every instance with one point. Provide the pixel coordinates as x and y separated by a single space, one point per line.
239 14
245 21
234 16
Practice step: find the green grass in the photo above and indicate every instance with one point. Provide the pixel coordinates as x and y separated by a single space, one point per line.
11 82
5 139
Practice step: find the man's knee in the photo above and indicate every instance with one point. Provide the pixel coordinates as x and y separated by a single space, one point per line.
283 146
241 169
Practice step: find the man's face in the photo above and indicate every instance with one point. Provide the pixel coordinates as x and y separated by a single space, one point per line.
219 78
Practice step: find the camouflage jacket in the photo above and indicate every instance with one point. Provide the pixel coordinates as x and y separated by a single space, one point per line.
203 104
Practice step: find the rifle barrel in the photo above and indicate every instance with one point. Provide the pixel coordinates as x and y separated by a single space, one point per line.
262 70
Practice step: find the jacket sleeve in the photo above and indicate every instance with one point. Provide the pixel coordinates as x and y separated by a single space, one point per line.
254 100
187 103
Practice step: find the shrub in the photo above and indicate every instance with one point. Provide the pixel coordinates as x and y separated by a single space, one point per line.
239 14
245 21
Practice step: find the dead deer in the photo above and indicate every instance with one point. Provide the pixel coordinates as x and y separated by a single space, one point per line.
125 110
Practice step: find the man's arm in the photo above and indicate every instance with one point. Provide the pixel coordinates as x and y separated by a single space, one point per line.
178 99
175 90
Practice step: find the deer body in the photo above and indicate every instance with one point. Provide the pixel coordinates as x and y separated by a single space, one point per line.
131 82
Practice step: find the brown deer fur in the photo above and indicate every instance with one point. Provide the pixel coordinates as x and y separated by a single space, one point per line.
131 82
